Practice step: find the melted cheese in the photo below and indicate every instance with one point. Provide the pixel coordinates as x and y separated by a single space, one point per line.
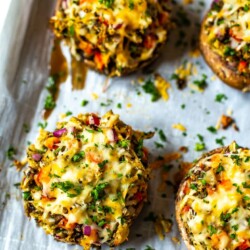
113 29
217 195
234 16
87 176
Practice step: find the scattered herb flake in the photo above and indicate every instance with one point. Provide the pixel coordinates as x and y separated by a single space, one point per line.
77 157
212 129
49 102
220 98
42 125
220 140
158 145
212 230
150 88
84 103
201 84
162 135
10 153
68 113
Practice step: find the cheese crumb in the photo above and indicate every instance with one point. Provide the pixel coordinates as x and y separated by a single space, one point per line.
180 127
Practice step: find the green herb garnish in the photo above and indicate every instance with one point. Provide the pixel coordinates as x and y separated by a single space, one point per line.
49 103
150 88
77 157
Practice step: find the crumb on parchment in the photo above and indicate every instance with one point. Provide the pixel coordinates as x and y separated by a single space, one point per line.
180 127
162 226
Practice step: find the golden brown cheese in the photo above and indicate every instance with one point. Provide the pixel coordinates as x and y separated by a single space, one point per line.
214 200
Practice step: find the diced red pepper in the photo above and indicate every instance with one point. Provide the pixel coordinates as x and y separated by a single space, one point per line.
149 41
186 209
93 120
242 66
138 196
244 246
98 60
186 189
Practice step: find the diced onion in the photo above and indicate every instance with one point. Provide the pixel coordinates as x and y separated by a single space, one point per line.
87 230
36 157
60 132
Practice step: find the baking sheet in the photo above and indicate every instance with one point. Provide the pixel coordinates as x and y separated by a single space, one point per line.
25 51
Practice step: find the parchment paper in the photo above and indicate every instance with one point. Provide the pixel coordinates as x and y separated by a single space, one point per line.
25 51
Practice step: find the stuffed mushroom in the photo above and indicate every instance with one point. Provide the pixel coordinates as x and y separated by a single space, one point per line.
114 37
225 41
213 201
87 181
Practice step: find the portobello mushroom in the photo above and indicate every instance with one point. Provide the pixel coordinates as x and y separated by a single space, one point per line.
113 37
212 204
225 42
87 181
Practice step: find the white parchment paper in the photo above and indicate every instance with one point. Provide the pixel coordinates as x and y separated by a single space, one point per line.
25 45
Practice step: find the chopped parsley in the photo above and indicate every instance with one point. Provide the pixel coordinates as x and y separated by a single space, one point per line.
42 125
246 198
246 8
72 30
212 230
26 195
229 51
220 140
201 84
212 129
49 102
84 103
77 157
102 164
68 113
124 143
131 4
245 185
200 146
233 236
10 153
109 102
235 227
17 185
51 87
162 135
150 88
107 3
220 97
158 145
68 187
220 169
194 186
225 217
119 105
236 159
98 192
